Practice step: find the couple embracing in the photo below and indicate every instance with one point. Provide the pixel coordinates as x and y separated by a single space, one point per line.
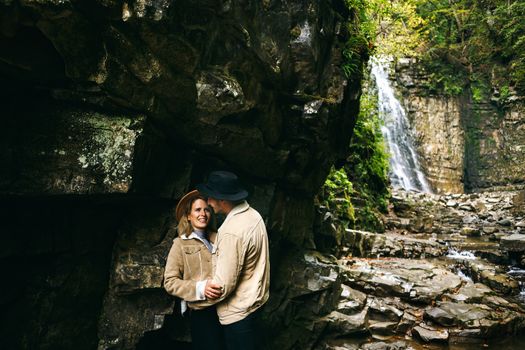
223 276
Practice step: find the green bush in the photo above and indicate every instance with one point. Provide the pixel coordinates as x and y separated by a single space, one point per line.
336 193
357 193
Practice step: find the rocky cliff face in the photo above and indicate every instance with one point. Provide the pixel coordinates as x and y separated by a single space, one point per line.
495 143
437 126
465 144
114 109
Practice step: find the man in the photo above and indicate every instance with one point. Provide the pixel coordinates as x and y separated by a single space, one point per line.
242 276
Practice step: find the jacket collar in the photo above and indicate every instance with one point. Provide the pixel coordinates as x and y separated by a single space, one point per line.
191 236
243 206
211 237
240 208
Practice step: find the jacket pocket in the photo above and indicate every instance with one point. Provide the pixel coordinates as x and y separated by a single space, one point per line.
192 249
192 266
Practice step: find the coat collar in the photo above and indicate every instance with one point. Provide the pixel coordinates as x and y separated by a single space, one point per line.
240 208
211 237
243 206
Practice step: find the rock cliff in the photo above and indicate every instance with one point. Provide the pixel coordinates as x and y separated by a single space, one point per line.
437 126
465 143
114 109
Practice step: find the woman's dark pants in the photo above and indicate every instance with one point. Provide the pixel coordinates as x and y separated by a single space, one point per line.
206 331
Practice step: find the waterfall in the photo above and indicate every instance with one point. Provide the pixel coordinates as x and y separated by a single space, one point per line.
405 171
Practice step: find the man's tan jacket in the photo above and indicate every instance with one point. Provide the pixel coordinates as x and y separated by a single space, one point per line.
188 261
242 264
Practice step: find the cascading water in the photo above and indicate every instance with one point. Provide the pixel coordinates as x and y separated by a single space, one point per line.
405 171
519 275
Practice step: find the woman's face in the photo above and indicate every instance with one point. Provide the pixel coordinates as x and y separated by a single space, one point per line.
199 215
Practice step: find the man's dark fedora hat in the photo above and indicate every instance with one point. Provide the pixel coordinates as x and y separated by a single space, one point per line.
223 185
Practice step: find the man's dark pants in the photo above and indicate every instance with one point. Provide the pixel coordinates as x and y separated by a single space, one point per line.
206 331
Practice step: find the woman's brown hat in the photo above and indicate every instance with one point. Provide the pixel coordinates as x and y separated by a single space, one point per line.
181 206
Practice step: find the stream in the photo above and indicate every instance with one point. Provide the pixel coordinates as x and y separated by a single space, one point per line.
447 274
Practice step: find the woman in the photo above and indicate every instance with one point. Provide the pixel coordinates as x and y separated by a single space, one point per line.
190 261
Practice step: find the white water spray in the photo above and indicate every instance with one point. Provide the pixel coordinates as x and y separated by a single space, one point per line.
405 171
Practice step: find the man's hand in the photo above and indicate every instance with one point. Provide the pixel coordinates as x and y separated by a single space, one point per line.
212 290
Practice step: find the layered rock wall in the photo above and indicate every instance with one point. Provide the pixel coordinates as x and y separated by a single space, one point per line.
437 129
495 144
465 144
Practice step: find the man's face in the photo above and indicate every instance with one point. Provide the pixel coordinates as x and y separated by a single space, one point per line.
216 205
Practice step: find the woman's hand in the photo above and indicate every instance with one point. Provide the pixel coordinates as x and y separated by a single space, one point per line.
212 290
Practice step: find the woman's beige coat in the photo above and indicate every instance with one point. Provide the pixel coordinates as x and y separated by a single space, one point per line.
189 261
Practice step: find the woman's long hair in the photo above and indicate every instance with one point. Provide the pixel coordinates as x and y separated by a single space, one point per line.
184 226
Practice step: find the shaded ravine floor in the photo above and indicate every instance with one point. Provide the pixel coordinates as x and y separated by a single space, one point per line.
399 343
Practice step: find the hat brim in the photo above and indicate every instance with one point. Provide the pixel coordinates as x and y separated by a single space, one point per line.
210 192
179 210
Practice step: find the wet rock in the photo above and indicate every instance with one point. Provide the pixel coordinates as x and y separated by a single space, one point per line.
497 302
497 236
521 224
125 319
384 310
480 206
342 324
338 347
470 231
397 345
410 317
440 317
489 229
505 222
466 207
471 293
368 244
351 300
513 243
382 328
408 279
430 334
462 336
402 207
470 219
488 274
452 203
451 314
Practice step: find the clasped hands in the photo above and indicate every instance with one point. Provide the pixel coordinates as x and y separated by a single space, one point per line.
212 290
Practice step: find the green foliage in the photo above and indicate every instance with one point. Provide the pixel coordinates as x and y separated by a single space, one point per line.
381 27
367 167
357 48
335 195
358 192
445 79
504 92
467 39
479 90
397 28
353 53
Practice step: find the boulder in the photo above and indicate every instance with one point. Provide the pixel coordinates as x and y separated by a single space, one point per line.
513 243
343 325
430 334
